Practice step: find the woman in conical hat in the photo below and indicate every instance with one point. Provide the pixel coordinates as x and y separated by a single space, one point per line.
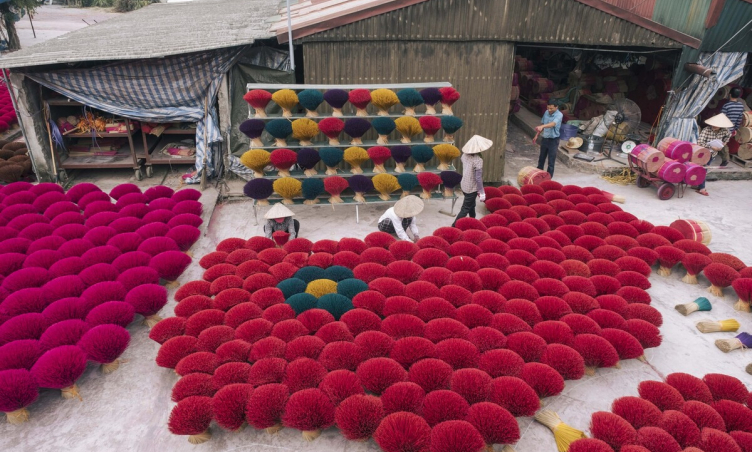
279 219
401 217
472 175
715 137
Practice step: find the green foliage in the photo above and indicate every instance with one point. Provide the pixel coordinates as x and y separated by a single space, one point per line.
123 6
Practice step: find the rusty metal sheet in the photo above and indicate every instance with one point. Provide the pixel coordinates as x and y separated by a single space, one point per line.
481 72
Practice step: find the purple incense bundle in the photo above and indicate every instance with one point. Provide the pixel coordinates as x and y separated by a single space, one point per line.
307 159
360 184
260 190
253 128
356 128
431 97
401 154
336 98
450 179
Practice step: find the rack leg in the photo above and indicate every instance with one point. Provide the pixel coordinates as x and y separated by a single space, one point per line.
255 214
357 214
454 201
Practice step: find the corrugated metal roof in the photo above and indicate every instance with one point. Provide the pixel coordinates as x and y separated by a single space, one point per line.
687 16
642 8
544 21
156 31
735 14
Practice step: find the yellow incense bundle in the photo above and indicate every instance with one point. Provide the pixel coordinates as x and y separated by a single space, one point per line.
286 99
563 433
718 326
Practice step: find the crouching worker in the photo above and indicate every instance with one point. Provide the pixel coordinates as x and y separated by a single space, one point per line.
401 217
279 218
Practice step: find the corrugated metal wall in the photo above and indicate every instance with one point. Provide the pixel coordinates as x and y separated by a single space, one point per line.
735 14
532 21
642 8
481 72
686 16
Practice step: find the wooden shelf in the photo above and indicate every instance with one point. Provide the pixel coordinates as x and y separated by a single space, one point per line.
119 160
63 102
102 134
293 144
178 131
298 174
344 117
274 87
371 199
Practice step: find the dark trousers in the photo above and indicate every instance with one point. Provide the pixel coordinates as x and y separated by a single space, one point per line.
269 229
468 206
548 150
388 227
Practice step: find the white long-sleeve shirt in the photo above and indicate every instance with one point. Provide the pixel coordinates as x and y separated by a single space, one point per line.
397 223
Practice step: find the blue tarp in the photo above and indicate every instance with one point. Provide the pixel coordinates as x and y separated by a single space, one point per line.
163 90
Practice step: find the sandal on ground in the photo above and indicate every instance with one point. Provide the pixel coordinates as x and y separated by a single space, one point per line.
703 192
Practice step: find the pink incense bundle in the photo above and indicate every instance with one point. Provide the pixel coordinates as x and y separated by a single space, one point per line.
720 276
283 160
668 256
430 125
59 368
332 127
379 155
743 289
335 185
258 99
449 96
694 263
360 98
596 351
429 182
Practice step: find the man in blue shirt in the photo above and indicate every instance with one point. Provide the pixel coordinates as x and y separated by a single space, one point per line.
549 131
734 110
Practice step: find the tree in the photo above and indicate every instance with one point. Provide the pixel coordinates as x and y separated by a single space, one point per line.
12 12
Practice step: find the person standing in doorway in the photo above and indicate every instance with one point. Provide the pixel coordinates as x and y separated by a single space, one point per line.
549 131
734 111
472 175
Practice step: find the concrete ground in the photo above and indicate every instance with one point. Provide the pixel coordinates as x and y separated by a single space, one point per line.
128 410
51 21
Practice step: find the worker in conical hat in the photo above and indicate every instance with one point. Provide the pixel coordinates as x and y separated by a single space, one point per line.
472 175
279 218
715 137
397 219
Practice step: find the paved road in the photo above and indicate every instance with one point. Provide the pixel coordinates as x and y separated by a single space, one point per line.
53 21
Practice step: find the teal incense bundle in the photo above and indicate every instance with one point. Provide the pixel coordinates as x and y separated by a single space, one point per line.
700 304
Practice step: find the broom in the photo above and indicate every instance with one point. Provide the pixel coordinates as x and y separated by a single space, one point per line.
360 185
449 96
355 156
385 184
718 326
431 97
383 127
304 130
331 158
356 128
408 127
288 188
287 99
280 129
563 433
307 159
310 99
429 182
743 288
379 155
694 263
312 188
421 154
445 153
410 98
336 98
407 181
700 304
360 98
331 127
384 99
430 125
256 159
253 128
741 341
335 185
450 124
258 99
400 154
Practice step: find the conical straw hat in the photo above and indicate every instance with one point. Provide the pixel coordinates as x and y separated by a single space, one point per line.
719 120
408 207
476 144
278 211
